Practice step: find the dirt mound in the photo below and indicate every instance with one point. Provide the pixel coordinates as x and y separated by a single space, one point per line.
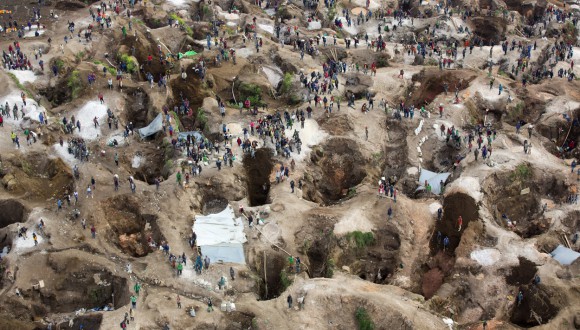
258 170
338 124
336 168
69 5
135 233
504 191
489 28
538 307
37 177
432 84
13 211
523 273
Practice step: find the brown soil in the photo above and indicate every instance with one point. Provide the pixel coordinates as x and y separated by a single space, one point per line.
154 166
338 124
192 90
37 177
432 84
139 110
336 167
258 170
271 285
131 228
13 211
396 151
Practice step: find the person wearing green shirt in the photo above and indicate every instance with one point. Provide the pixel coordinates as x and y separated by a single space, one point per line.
179 268
133 302
137 288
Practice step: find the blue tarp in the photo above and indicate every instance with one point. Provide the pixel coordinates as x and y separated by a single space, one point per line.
155 126
434 179
564 255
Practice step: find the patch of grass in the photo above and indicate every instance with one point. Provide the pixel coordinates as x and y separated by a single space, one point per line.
285 281
522 172
207 11
329 271
129 61
112 71
59 63
138 21
515 113
79 56
361 239
74 83
251 92
201 118
286 83
19 84
97 62
363 319
181 22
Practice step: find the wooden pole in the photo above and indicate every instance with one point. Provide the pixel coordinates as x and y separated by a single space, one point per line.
265 278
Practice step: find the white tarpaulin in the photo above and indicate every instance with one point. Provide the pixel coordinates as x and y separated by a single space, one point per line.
221 236
434 179
155 126
564 255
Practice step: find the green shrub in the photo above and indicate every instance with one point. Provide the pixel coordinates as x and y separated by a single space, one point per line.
329 271
251 92
361 239
522 172
285 281
286 83
112 71
201 118
363 319
129 61
74 83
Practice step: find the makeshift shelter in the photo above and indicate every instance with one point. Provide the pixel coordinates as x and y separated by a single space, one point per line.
221 236
155 126
433 179
564 255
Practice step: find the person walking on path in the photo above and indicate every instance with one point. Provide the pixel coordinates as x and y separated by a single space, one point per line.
133 302
178 302
137 288
289 300
93 231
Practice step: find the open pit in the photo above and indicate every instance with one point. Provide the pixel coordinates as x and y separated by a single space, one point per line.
507 194
432 84
135 233
258 171
539 306
336 168
37 177
13 211
442 260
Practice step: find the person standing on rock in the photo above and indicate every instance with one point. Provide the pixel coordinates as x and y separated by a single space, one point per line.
206 262
390 213
232 273
93 231
178 299
292 185
476 153
445 243
289 300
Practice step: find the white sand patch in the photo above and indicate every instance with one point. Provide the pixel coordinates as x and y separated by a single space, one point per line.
486 257
314 25
270 12
413 170
267 27
433 207
230 17
469 185
244 52
24 76
273 74
310 136
137 161
352 29
353 221
4 251
231 24
31 111
177 3
86 114
25 243
32 33
62 153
